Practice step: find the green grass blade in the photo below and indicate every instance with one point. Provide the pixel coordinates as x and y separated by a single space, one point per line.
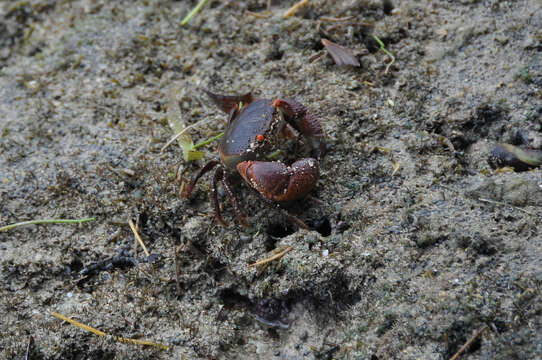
193 12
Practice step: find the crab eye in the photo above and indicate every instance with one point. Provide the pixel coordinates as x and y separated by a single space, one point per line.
260 137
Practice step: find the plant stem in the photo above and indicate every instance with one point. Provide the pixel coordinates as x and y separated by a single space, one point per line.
193 12
205 142
383 48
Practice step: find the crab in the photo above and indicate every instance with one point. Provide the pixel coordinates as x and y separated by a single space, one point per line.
255 128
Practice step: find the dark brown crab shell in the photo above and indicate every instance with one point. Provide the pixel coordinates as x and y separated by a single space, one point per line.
240 142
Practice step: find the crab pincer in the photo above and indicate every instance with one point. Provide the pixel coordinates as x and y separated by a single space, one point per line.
308 124
278 182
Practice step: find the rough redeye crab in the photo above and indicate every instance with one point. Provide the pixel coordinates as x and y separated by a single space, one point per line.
255 128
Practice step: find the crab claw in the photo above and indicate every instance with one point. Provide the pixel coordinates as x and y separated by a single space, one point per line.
278 182
308 124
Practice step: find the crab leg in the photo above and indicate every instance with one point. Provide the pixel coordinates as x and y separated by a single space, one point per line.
294 219
217 176
202 171
233 200
308 124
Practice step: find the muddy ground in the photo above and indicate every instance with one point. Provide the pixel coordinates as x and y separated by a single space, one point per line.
416 243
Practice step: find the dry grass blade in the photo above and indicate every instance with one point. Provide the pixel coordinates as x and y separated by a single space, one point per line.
46 221
176 123
396 167
272 258
295 8
334 19
182 133
101 333
29 348
263 15
139 240
174 115
340 55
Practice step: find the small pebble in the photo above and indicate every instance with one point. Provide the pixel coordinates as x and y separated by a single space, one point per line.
152 258
246 238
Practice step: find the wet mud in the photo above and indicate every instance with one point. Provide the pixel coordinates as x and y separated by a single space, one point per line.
416 240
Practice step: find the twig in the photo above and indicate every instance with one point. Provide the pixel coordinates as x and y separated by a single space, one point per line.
468 343
334 19
193 12
46 221
272 258
383 48
294 8
101 333
139 240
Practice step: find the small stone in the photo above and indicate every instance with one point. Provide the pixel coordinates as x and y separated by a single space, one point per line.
245 239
